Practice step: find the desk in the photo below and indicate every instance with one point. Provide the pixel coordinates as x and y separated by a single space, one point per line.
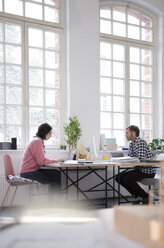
92 169
65 231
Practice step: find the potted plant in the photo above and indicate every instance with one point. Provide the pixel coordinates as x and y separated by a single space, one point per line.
63 147
157 144
72 132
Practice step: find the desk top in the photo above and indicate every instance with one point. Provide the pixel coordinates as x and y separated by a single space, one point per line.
103 164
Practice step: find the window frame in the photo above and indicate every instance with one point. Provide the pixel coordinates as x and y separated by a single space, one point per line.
131 42
25 22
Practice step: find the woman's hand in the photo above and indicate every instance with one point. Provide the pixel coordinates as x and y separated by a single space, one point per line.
60 160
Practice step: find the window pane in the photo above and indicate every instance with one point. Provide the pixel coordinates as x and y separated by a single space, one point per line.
1 53
13 95
14 131
1 94
32 132
13 74
146 57
35 77
36 116
105 85
14 7
35 57
105 120
52 60
147 136
1 114
35 96
1 75
134 72
1 32
135 120
146 122
2 133
120 137
118 69
52 40
107 133
0 5
52 2
146 21
51 14
105 26
134 105
133 17
133 32
119 14
52 79
13 115
118 121
105 103
52 98
13 54
39 1
118 86
146 106
118 52
146 89
119 29
146 34
52 117
35 37
13 33
105 50
33 10
105 13
134 55
105 68
134 88
118 103
55 137
146 73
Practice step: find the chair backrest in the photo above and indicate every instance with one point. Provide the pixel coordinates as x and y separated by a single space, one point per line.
8 166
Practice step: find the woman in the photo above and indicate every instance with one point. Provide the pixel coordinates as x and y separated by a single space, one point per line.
34 158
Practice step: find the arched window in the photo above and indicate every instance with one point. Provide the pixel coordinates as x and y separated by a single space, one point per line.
30 59
126 71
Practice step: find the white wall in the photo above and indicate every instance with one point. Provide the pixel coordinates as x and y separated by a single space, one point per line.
82 64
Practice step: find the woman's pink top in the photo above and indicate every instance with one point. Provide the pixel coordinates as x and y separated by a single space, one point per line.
34 156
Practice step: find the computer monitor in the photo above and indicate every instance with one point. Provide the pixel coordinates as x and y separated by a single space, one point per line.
94 146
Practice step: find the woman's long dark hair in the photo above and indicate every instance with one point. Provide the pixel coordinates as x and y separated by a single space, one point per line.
43 130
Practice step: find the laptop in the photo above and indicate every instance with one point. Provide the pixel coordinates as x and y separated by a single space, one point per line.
71 159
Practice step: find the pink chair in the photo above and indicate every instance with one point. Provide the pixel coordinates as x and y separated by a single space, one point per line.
13 180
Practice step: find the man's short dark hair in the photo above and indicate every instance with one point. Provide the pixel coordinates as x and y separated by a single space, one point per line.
43 130
135 129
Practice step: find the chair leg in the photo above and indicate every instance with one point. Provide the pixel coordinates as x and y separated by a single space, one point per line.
13 196
5 197
37 185
30 194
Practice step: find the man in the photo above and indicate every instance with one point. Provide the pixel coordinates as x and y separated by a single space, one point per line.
137 148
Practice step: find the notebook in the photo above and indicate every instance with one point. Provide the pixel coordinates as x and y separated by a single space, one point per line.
125 160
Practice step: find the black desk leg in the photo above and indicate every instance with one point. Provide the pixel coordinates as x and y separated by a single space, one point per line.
67 181
113 183
118 185
106 188
77 183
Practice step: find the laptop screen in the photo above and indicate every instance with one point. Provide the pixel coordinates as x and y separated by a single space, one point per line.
72 155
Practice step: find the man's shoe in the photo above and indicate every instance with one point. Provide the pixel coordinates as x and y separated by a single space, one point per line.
137 200
145 200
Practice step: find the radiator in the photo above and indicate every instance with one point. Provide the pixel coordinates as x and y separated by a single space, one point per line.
22 194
